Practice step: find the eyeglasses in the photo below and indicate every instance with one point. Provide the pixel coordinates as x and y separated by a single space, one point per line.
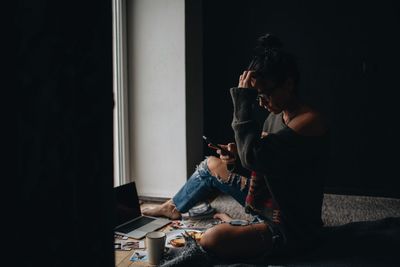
262 97
266 95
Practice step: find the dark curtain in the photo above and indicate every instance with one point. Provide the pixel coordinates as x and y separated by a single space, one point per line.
348 53
63 82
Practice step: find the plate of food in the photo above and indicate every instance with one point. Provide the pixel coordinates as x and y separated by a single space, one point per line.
175 238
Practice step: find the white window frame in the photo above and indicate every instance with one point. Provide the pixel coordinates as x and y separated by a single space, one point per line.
120 89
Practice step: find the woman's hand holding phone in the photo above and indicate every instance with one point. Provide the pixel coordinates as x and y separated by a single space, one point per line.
228 153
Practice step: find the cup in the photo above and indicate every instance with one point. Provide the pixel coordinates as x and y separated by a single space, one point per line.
155 244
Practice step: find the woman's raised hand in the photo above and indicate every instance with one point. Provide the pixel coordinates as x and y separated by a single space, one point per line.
246 80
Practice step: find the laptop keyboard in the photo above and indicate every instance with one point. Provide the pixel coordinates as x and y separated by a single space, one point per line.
135 224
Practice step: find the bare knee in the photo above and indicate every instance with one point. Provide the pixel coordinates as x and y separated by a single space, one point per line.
217 168
214 163
233 242
214 240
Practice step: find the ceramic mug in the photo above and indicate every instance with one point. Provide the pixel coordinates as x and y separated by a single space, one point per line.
155 244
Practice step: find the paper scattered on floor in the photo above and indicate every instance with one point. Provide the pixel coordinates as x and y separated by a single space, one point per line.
128 245
139 256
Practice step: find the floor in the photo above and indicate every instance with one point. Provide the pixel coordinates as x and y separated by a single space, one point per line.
336 210
122 258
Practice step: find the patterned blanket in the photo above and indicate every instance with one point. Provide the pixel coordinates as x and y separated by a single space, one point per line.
368 243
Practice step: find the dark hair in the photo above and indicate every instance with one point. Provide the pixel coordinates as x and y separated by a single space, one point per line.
272 62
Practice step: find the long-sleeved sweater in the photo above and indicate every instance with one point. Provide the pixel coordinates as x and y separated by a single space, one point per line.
294 166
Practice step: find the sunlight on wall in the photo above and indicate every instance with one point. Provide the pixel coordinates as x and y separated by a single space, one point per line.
156 67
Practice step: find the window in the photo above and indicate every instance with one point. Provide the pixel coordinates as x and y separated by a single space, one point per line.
121 122
158 94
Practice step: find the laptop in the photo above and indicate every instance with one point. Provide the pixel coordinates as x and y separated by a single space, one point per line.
129 219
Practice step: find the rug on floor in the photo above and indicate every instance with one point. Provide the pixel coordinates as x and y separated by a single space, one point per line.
336 209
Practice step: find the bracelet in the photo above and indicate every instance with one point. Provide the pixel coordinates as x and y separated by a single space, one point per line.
239 222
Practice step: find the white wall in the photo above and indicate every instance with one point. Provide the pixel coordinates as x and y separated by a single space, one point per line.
156 70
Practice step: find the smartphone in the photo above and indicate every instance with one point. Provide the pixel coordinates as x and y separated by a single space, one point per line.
214 144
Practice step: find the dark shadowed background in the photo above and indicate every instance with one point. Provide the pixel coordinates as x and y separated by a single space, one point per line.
349 57
64 205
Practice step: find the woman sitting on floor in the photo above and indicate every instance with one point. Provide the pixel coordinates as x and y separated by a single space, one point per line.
276 171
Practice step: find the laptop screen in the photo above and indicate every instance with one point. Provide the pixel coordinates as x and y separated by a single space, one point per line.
127 203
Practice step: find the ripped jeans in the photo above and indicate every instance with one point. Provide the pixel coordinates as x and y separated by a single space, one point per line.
202 184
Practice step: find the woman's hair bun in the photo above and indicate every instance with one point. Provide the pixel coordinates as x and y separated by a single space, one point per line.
269 41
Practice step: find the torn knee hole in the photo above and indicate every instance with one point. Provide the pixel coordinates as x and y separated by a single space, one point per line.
243 182
224 180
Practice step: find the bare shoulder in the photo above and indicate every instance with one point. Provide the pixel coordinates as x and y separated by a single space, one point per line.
309 123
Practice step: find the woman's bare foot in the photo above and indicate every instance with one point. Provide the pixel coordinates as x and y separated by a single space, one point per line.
167 209
223 217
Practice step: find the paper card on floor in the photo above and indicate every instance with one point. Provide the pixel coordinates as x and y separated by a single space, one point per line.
139 256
